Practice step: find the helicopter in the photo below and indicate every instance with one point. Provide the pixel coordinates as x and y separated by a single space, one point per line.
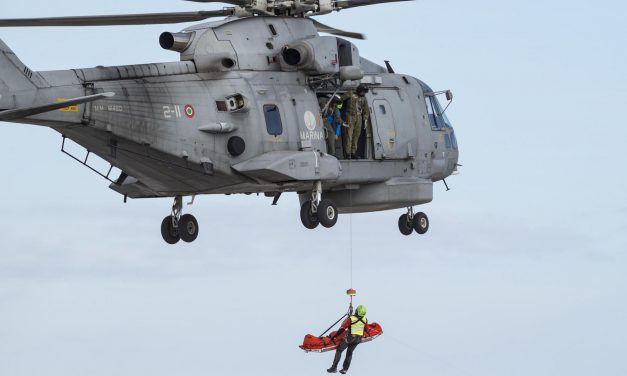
240 113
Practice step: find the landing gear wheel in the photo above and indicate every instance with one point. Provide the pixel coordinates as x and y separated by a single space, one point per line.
327 213
168 232
405 225
309 219
421 223
188 228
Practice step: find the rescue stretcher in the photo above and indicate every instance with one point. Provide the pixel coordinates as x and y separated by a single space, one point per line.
312 343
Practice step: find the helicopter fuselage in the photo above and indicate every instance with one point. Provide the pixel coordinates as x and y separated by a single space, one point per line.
235 117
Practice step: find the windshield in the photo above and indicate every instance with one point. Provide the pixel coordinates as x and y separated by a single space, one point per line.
436 116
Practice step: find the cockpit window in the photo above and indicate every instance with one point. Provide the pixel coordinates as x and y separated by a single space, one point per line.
433 111
446 122
437 118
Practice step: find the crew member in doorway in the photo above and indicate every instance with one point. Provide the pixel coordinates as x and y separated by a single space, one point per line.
332 119
355 324
357 115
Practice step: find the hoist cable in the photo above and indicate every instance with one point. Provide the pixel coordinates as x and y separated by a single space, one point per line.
350 231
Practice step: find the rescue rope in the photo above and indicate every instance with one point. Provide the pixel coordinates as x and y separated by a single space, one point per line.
350 227
350 233
351 247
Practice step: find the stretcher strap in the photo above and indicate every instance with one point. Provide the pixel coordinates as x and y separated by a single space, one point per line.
331 327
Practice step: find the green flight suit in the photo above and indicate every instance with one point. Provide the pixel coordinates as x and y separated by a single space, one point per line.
357 116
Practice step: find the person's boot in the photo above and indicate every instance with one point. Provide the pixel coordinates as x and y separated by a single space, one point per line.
343 371
332 370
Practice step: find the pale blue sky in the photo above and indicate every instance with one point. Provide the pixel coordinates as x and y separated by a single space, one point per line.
521 273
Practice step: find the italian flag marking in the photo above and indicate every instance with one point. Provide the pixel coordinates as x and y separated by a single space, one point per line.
189 111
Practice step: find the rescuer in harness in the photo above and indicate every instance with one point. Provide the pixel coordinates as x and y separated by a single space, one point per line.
330 107
355 324
357 114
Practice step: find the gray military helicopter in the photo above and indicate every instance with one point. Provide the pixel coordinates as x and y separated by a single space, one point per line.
240 113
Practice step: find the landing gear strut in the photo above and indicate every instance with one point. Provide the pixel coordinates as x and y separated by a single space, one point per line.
410 222
177 227
315 211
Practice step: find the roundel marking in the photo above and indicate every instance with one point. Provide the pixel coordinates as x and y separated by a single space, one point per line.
310 120
189 111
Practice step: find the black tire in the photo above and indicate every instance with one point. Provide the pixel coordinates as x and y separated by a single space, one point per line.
309 219
188 228
421 223
404 226
168 232
327 213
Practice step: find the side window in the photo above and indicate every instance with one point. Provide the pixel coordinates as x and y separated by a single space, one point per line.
273 119
447 141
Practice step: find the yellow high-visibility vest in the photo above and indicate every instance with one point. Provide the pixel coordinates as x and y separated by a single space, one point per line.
357 326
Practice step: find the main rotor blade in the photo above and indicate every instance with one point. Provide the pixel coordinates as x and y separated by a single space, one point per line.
331 30
338 3
343 4
118 19
240 3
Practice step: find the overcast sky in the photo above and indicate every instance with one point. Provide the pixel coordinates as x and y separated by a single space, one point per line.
523 271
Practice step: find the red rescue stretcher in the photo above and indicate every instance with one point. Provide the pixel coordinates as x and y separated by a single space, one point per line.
312 343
